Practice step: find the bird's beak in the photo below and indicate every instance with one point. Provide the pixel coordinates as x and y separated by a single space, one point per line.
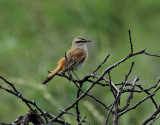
89 41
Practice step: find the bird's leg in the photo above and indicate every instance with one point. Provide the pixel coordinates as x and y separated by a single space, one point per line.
75 75
69 74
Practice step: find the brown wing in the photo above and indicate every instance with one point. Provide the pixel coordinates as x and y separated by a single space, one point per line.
74 57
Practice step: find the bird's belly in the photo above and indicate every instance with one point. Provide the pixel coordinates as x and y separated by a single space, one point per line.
78 66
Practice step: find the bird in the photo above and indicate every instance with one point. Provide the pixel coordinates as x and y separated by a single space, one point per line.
74 58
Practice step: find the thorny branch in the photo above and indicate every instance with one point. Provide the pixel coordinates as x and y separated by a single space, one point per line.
38 116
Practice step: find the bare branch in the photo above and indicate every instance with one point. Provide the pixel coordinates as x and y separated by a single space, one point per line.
152 117
151 54
131 95
114 92
129 72
144 99
121 61
82 118
77 105
19 95
130 40
101 64
58 120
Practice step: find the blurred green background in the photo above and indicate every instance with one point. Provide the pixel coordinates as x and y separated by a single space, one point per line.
34 35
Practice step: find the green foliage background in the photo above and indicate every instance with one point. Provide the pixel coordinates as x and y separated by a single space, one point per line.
34 35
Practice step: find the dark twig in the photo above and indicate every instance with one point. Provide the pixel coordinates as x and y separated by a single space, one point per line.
119 62
151 54
75 75
144 90
154 120
73 114
73 104
77 105
140 102
81 81
101 64
19 95
152 117
58 120
148 93
106 80
112 89
83 121
130 41
152 87
113 105
93 97
117 100
126 78
130 96
14 92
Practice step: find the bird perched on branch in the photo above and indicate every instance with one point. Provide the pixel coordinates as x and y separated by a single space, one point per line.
74 59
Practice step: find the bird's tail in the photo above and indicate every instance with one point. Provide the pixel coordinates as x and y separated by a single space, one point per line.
52 74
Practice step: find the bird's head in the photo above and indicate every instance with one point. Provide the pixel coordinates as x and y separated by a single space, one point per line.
79 41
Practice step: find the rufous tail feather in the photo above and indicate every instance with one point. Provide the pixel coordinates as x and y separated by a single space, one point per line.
51 75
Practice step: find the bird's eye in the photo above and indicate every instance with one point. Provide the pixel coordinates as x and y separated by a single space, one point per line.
80 41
